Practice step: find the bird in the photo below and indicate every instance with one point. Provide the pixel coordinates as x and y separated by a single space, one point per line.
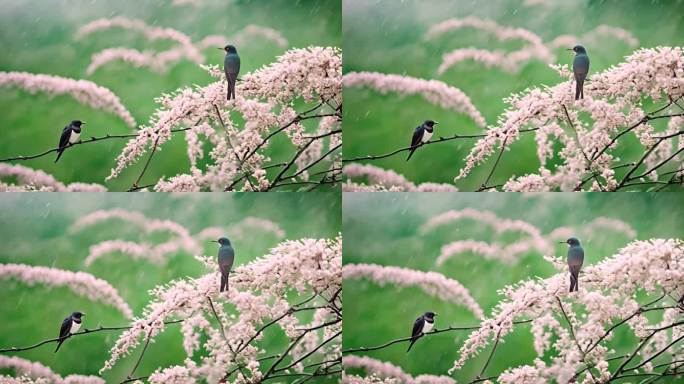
70 135
70 325
226 256
575 260
422 325
421 135
580 67
231 67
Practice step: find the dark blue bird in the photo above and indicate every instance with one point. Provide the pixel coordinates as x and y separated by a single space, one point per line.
70 135
231 67
575 261
70 325
421 135
580 67
226 256
422 325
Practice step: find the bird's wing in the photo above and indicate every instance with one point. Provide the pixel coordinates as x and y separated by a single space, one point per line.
418 327
231 64
226 257
575 257
580 65
64 139
417 135
66 327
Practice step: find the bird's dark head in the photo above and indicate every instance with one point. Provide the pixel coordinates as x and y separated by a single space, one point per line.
77 123
571 241
223 241
229 48
430 123
77 315
430 315
578 49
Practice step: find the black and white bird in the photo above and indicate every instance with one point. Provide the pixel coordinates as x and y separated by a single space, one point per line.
421 326
421 135
70 325
70 134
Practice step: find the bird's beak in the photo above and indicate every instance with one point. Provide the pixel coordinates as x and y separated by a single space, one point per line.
220 48
82 122
436 123
436 314
82 314
561 242
570 49
214 241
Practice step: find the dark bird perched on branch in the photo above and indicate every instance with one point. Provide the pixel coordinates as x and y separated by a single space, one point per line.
70 325
70 134
231 67
422 325
226 256
421 135
580 67
575 260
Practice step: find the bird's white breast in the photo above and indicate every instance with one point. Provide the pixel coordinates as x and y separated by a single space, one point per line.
426 136
75 327
427 327
74 136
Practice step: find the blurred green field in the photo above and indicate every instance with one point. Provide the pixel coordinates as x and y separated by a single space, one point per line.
38 37
388 36
34 229
383 229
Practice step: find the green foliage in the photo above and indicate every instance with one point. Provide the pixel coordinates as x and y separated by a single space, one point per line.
39 38
34 229
388 37
383 229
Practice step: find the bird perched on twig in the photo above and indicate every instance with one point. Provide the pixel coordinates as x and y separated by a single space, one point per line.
231 67
421 135
580 67
226 256
70 135
422 325
575 260
70 325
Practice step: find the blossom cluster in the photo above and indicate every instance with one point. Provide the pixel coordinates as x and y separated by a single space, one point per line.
38 371
433 283
28 179
84 91
81 283
613 100
386 180
434 91
385 370
264 102
257 291
576 329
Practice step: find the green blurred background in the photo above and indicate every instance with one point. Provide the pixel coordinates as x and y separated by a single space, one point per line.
34 229
38 37
388 36
383 229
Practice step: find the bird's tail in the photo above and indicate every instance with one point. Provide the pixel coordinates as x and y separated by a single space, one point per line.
228 88
59 154
59 344
411 345
574 282
223 283
411 153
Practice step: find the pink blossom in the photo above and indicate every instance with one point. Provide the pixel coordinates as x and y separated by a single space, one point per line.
81 283
257 292
131 56
243 36
37 370
150 32
594 37
386 180
613 102
434 91
383 369
433 283
37 180
607 295
84 91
